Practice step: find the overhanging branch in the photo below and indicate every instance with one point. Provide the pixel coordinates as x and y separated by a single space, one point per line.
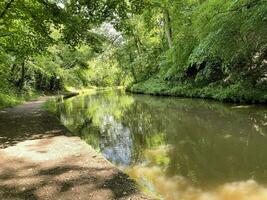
8 5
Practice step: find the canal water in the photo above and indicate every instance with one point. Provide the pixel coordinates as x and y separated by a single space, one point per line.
175 148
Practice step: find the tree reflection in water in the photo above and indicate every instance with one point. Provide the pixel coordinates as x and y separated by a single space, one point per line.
176 148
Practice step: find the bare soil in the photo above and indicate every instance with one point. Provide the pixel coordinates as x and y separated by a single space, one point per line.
39 159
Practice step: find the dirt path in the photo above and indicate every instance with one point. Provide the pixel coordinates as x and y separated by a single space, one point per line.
40 160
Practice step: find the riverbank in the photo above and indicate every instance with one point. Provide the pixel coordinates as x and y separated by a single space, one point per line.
41 160
236 93
10 97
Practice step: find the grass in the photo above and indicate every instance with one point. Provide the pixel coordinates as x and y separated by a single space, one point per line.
51 105
10 97
7 100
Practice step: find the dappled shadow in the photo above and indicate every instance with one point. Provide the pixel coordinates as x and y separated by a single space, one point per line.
22 179
13 193
121 185
17 126
6 141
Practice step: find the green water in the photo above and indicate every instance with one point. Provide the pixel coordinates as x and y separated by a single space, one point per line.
176 148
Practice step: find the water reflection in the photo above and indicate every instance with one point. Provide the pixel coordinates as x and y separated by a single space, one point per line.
177 148
117 143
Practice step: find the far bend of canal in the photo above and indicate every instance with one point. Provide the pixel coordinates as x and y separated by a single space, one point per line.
175 148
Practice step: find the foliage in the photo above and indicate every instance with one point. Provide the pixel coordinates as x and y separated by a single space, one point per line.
48 46
212 54
149 45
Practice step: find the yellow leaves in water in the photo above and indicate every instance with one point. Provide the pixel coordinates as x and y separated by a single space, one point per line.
154 180
244 190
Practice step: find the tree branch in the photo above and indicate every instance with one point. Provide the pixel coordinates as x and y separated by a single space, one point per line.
246 5
8 5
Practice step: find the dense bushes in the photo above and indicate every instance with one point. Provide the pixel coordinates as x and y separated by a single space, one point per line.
11 96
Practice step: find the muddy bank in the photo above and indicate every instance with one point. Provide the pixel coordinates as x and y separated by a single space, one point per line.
39 159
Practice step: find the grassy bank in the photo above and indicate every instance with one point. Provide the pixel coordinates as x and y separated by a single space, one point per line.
14 99
10 96
239 93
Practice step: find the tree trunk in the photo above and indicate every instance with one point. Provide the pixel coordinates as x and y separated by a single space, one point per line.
40 81
52 83
22 78
132 69
12 78
167 25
